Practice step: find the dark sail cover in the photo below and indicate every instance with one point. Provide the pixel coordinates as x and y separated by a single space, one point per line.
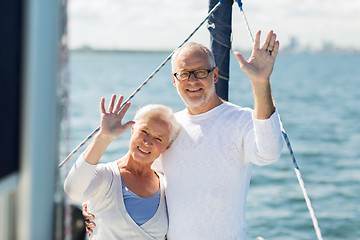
220 40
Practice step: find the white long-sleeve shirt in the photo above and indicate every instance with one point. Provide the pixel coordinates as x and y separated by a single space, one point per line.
208 170
101 184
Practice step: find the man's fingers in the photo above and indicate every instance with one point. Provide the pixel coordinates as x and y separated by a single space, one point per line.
272 42
88 216
242 61
257 40
85 213
89 231
84 204
276 48
89 224
267 41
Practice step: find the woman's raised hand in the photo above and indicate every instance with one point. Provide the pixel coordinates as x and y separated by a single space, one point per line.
111 125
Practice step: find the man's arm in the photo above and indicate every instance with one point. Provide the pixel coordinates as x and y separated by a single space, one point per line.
259 68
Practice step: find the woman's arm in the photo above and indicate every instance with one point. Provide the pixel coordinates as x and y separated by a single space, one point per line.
110 129
85 177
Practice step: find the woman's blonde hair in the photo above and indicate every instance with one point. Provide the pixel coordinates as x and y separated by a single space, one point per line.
165 113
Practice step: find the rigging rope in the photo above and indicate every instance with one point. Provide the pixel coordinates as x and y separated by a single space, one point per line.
246 21
143 84
296 167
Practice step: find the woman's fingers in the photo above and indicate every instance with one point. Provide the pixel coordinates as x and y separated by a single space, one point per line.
102 105
115 109
124 110
112 108
112 103
118 104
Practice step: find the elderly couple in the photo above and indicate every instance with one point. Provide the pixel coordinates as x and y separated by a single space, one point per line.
205 153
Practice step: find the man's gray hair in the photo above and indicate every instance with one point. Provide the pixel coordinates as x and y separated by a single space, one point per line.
165 113
190 45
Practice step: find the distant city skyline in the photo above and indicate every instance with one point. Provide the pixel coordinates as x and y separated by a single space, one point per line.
164 24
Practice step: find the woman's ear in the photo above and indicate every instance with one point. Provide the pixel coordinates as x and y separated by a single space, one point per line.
165 149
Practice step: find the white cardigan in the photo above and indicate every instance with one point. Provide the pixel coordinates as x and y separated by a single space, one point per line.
101 185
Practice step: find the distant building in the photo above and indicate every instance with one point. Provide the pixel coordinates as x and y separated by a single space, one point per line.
292 47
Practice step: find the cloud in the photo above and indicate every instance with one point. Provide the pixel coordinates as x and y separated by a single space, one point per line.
163 24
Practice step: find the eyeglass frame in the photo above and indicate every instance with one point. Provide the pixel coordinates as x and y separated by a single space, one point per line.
193 72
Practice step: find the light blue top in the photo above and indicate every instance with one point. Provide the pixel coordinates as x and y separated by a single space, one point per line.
140 209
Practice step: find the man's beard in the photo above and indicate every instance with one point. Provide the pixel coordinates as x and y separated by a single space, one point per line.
198 103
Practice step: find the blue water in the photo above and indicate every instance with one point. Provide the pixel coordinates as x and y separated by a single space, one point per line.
318 99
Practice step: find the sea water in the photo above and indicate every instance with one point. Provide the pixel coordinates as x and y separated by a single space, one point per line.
318 99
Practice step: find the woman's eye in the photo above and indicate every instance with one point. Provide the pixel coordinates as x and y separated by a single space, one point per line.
143 131
158 139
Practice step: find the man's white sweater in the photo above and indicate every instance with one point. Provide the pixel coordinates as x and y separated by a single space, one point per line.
208 170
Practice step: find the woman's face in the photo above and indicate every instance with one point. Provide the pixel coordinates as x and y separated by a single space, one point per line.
150 137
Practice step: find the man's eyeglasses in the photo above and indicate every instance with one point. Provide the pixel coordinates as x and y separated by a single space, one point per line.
199 74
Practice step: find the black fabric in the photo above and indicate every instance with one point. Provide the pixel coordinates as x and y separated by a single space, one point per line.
10 70
219 26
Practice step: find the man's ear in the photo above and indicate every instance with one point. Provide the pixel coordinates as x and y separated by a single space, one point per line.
216 74
174 80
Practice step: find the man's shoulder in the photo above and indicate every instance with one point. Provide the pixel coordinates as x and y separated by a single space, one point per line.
181 114
231 108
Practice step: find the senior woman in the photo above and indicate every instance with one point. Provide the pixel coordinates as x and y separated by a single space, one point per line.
126 196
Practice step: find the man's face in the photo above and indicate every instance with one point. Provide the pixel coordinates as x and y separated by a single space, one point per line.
196 93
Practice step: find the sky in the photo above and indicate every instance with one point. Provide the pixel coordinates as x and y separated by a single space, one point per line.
164 24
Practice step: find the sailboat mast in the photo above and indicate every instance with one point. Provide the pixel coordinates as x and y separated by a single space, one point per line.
220 42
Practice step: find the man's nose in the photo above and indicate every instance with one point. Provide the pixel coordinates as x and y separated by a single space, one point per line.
192 77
